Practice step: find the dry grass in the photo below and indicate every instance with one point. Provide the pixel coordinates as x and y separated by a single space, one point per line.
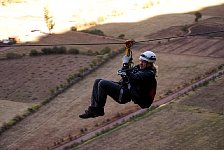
139 30
10 109
68 105
71 37
191 122
181 71
31 79
59 118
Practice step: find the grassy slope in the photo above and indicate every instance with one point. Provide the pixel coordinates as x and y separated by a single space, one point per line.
191 122
139 30
198 128
60 117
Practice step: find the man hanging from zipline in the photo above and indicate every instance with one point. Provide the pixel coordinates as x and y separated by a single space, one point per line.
138 84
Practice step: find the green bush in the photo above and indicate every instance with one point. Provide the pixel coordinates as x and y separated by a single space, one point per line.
52 91
73 28
17 118
121 36
90 53
34 108
73 51
59 50
95 31
54 50
47 51
34 53
105 50
198 16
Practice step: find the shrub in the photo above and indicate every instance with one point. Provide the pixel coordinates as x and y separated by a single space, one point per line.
73 28
95 31
83 130
62 86
105 50
100 58
59 50
73 51
97 53
34 53
34 108
4 127
81 70
46 51
198 15
94 62
54 50
91 65
90 53
17 118
121 36
62 50
52 91
106 56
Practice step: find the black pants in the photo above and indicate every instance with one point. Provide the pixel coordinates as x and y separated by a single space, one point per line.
102 88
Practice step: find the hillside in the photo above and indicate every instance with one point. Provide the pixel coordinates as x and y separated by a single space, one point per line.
21 17
181 62
194 121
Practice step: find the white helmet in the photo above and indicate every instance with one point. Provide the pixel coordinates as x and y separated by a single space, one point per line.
148 56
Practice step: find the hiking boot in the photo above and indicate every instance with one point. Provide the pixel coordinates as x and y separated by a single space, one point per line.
92 112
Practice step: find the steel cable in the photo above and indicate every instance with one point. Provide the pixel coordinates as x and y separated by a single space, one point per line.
108 43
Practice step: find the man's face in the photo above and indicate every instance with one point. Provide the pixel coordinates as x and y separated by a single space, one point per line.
143 64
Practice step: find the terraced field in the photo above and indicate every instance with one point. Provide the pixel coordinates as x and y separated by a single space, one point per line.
60 118
194 121
179 66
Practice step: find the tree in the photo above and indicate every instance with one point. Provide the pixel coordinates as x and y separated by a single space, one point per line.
198 15
48 19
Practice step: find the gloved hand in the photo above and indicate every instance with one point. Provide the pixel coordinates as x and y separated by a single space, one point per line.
121 72
126 59
129 43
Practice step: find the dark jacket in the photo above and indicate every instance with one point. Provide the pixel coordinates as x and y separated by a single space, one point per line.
143 86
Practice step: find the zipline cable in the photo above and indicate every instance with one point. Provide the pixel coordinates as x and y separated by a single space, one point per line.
63 44
150 40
